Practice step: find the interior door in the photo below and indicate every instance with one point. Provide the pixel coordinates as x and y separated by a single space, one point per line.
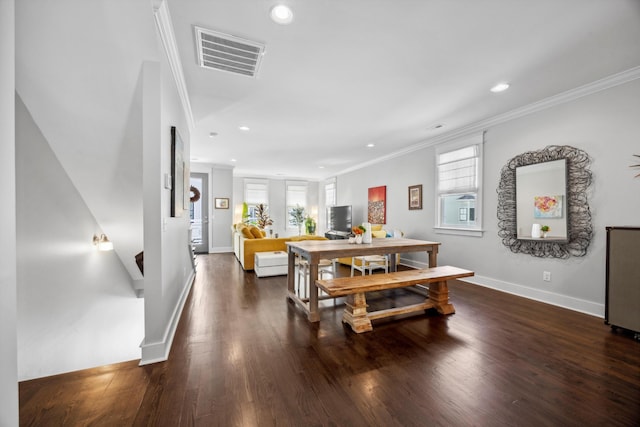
199 213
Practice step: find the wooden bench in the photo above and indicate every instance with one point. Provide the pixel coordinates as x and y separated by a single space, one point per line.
354 288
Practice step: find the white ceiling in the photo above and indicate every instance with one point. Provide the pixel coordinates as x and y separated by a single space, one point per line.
348 73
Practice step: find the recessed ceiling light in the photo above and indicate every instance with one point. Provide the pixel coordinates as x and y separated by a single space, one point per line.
281 14
233 160
500 87
371 145
244 128
212 134
320 167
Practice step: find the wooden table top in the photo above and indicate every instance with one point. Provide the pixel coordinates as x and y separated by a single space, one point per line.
342 248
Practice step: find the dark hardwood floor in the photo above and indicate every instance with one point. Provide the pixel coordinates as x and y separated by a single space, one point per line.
244 356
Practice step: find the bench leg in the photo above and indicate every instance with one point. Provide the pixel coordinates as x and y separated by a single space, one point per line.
355 313
439 296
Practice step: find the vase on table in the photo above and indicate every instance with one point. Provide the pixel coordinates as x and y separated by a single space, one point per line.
359 239
366 236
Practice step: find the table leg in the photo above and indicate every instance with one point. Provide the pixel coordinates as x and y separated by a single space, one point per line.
291 271
392 262
313 315
439 295
433 256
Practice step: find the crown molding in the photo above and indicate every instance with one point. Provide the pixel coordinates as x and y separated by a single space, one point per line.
167 36
552 101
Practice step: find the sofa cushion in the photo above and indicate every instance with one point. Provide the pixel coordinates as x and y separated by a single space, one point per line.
246 232
255 231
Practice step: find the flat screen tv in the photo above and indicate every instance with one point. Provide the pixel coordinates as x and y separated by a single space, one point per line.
339 218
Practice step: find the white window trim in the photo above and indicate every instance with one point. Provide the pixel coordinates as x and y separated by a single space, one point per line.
331 181
286 201
477 231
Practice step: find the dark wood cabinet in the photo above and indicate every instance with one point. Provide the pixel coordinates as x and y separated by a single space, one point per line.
622 306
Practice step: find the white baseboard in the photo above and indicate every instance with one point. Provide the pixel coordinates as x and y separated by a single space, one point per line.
159 351
220 250
564 301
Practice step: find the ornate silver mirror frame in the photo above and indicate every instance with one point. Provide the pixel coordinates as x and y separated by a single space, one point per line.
579 225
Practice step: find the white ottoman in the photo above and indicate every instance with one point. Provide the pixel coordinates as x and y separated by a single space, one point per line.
270 263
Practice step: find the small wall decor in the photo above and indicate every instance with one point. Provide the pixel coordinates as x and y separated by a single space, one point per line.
415 197
579 227
196 194
221 203
377 206
177 174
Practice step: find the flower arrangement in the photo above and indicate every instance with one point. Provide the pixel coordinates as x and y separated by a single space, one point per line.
359 230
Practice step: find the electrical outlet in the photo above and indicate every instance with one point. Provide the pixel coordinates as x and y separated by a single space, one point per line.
546 276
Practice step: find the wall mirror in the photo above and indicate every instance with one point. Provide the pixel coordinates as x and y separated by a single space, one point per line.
541 196
546 187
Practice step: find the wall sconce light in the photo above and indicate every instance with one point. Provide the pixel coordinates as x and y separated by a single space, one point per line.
102 243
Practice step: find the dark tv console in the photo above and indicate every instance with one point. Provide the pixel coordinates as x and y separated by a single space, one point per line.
336 235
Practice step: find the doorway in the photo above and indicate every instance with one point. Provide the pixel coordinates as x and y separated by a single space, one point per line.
199 213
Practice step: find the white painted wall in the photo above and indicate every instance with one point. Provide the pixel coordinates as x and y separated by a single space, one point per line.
167 263
8 271
221 219
604 124
76 308
86 104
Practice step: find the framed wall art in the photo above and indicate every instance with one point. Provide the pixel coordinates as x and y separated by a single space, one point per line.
377 205
221 203
177 174
415 197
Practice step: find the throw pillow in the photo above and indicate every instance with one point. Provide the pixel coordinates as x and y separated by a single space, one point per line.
246 232
255 231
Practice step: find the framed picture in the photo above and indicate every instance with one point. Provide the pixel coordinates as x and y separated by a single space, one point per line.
377 205
415 197
222 203
177 174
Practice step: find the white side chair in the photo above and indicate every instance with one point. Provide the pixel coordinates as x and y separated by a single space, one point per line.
369 263
325 266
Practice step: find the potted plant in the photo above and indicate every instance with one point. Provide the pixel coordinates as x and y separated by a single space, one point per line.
262 216
310 225
245 213
297 217
545 229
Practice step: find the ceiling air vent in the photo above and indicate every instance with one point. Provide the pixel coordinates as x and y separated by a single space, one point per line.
223 52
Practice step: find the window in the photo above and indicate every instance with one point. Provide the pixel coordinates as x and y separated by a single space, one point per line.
459 183
256 191
330 194
296 197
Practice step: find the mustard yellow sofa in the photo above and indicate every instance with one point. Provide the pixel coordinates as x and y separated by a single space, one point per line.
246 243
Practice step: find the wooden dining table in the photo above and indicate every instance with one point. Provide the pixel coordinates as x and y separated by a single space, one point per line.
315 250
